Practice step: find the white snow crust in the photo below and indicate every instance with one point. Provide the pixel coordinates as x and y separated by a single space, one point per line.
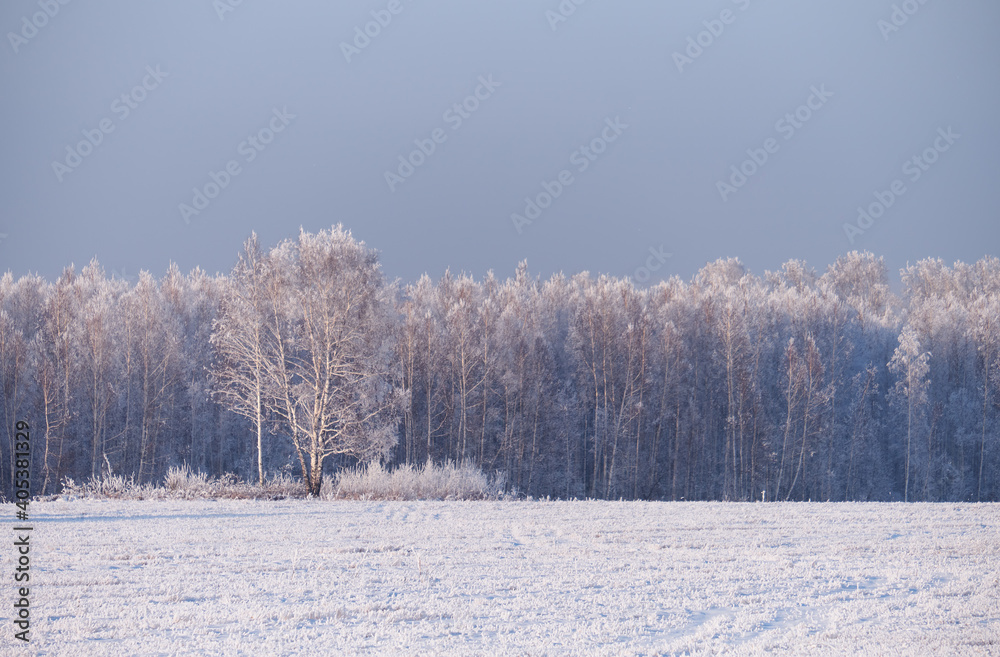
509 578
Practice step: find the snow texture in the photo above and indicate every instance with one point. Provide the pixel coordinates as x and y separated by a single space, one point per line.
511 578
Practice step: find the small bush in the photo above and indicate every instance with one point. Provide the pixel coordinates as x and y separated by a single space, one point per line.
108 486
430 482
182 479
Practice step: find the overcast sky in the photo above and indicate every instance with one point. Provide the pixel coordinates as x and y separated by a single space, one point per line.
116 112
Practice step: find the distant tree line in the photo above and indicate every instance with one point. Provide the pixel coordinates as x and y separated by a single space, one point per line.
791 386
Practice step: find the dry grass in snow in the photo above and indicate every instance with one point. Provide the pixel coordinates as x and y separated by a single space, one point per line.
430 482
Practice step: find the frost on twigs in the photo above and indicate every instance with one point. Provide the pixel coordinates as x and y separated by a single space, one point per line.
372 482
182 483
430 482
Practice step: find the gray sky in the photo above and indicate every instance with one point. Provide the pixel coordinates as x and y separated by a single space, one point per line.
201 78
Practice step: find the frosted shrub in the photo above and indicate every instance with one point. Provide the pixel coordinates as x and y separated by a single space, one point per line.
430 482
182 479
115 486
372 482
107 486
182 483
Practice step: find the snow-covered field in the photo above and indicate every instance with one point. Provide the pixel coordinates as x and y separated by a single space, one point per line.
510 578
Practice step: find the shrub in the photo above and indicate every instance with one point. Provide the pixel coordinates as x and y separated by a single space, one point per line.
405 482
372 482
182 479
182 483
107 486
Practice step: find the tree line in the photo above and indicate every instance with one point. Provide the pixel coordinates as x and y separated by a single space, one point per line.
794 385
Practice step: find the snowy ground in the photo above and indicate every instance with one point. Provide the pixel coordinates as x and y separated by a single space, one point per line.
509 578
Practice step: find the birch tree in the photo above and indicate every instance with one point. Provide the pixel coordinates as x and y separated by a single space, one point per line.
909 363
327 350
241 341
